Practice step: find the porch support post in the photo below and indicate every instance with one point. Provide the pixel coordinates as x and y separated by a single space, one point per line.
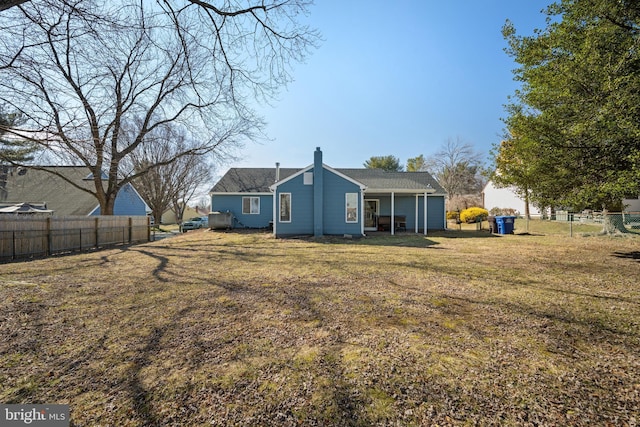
425 213
393 213
416 221
362 211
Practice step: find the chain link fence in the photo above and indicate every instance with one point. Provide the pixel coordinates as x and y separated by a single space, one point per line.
581 223
565 223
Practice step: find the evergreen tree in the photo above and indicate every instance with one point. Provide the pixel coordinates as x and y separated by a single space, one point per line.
574 126
388 163
12 149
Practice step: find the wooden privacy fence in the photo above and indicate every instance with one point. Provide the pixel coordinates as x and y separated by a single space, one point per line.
25 235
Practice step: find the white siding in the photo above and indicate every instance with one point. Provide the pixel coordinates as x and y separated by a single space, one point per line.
505 198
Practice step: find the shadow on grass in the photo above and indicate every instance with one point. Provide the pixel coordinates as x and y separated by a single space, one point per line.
405 239
142 395
162 263
466 234
634 255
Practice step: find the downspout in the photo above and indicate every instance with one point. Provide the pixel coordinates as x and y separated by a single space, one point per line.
275 201
318 202
275 211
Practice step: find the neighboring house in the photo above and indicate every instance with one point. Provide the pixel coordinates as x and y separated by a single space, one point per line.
506 198
631 205
319 200
169 216
494 197
27 185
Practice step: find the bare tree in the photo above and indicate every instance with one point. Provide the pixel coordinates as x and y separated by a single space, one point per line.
166 180
457 167
83 70
193 176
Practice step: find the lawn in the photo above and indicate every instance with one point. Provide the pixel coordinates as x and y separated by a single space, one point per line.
213 328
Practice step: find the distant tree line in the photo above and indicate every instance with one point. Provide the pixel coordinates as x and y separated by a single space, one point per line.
457 166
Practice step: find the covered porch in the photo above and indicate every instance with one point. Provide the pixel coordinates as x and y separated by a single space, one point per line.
393 211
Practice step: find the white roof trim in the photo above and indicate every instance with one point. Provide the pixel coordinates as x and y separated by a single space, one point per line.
343 176
290 177
147 208
324 166
240 193
400 190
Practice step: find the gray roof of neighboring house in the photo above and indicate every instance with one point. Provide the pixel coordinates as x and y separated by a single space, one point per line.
258 180
38 186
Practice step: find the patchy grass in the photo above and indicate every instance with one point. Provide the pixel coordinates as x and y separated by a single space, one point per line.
208 328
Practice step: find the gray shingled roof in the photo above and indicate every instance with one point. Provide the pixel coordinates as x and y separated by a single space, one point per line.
250 180
37 186
258 180
382 180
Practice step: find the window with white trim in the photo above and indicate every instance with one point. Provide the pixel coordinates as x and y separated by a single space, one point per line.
351 200
285 207
251 205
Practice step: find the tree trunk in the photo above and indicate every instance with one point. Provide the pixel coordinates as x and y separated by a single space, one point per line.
613 223
157 217
106 207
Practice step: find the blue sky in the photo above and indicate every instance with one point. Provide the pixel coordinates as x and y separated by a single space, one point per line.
395 78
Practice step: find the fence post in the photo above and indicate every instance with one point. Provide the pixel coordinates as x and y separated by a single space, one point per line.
95 224
130 230
13 244
48 237
570 215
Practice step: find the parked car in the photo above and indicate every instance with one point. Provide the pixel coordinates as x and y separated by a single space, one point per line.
194 224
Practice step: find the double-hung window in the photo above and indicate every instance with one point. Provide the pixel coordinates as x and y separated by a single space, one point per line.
251 205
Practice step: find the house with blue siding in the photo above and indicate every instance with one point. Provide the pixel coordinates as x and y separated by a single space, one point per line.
320 200
51 186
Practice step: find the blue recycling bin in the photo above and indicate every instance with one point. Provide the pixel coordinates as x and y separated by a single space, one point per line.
505 224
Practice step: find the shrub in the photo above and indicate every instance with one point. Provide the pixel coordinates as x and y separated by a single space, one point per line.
452 214
474 214
503 211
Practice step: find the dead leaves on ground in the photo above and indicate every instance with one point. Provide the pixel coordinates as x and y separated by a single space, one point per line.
234 329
